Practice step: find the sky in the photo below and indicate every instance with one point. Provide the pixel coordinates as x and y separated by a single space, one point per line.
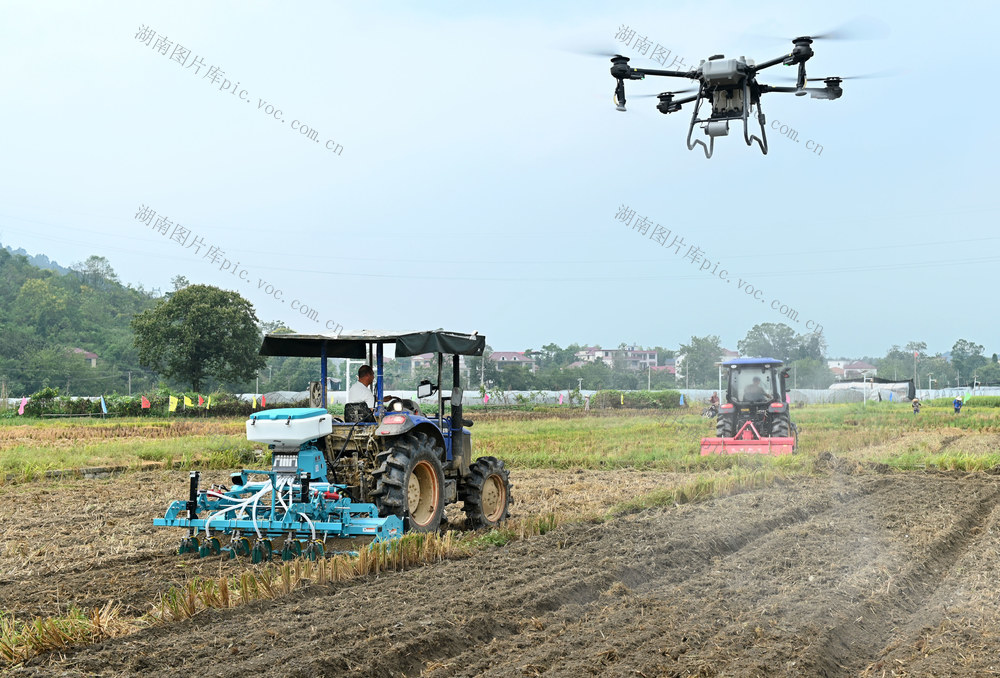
468 169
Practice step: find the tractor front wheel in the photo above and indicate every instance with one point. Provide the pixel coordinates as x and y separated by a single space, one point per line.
485 493
409 483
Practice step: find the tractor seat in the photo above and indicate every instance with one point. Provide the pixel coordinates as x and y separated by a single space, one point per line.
358 413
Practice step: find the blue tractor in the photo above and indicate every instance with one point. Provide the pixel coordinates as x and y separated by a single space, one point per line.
376 472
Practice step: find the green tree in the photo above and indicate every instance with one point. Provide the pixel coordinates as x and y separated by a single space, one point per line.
988 374
777 340
44 305
809 347
96 272
200 332
967 357
664 354
769 340
698 368
179 282
517 378
481 369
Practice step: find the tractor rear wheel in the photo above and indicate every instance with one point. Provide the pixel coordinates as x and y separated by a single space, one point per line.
485 493
724 426
409 483
781 426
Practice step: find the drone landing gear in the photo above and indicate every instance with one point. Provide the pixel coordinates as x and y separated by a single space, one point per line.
750 138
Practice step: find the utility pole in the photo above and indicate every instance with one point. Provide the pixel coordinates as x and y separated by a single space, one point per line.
130 382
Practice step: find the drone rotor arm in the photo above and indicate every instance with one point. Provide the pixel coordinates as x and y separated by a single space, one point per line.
771 88
772 62
686 100
691 75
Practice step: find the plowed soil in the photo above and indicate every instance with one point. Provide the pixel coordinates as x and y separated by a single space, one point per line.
842 575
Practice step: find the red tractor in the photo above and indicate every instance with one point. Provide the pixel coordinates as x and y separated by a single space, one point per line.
754 419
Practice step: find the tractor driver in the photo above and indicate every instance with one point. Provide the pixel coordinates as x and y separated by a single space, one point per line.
754 392
361 392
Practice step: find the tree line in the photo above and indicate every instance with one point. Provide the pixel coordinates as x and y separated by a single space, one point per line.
205 338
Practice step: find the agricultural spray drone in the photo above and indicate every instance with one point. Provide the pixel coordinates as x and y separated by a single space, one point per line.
731 88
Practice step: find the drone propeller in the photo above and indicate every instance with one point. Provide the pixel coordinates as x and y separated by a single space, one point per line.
597 53
859 28
663 95
862 76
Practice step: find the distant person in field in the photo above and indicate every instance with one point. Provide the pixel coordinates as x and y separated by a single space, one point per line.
713 405
958 404
916 405
754 391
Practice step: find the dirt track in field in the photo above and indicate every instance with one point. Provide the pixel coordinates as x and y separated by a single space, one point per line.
869 575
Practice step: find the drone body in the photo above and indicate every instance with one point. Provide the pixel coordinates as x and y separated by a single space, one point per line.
730 88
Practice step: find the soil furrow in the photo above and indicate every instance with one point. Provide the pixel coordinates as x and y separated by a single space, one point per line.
867 627
766 583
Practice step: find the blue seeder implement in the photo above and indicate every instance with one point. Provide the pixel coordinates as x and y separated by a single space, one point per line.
293 500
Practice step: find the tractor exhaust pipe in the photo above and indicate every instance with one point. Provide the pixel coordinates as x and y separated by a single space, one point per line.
457 439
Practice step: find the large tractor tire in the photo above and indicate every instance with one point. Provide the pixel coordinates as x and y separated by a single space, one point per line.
485 493
724 426
409 483
781 426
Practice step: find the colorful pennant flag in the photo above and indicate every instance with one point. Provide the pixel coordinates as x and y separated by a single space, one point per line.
209 405
486 399
682 399
104 406
145 403
263 401
560 398
187 402
24 401
201 401
255 402
623 398
172 404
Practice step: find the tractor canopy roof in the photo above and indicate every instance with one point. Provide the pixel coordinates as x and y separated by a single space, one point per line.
752 361
354 343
